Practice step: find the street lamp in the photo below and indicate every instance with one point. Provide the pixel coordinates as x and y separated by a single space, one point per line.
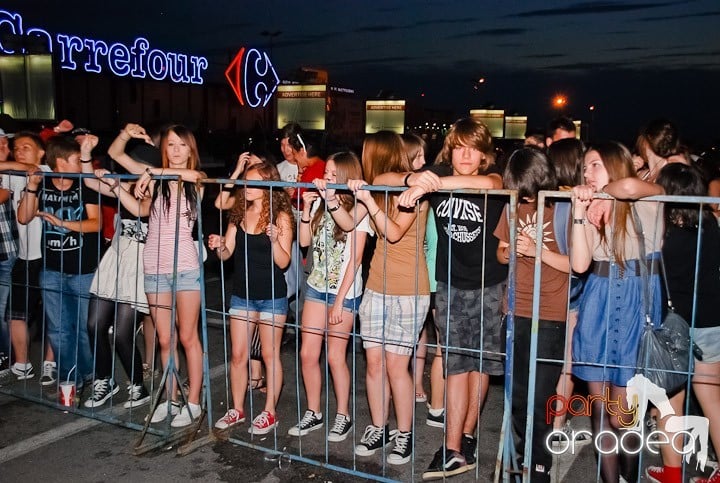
559 101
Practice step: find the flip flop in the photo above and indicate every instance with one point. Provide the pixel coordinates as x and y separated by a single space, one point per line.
420 397
257 384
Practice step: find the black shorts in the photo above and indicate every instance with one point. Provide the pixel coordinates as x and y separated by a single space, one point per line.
25 300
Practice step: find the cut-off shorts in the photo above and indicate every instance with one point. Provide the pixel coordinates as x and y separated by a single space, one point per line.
392 321
470 326
163 282
349 305
708 340
266 309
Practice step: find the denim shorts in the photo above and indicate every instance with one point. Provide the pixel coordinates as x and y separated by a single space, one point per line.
708 340
163 282
349 305
265 309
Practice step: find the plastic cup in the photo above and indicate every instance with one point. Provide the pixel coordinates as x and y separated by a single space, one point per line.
67 394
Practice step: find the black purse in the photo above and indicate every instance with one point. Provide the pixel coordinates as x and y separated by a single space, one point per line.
664 356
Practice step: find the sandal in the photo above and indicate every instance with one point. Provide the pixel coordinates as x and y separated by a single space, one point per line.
420 397
257 384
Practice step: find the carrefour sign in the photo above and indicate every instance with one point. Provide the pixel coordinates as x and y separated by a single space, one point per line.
137 59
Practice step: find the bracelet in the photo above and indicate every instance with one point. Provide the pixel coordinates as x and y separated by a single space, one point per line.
376 213
28 190
405 181
148 172
579 221
86 160
304 221
333 210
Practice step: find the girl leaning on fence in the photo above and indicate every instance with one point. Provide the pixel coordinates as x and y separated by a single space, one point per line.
611 317
332 293
259 236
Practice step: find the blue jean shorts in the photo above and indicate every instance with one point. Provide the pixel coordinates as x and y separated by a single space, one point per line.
266 309
163 282
349 305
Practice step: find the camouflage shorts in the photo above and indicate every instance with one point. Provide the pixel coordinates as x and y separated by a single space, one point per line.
470 327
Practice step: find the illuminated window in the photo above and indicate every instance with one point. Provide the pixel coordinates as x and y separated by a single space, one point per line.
26 86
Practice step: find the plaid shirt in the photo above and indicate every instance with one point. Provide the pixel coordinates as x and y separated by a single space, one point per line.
8 231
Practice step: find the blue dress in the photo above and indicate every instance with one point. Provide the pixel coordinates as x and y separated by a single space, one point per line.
610 325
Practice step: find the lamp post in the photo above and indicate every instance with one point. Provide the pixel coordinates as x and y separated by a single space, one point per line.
559 102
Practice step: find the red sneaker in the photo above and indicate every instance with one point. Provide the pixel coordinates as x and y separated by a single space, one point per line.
664 474
231 418
714 478
263 423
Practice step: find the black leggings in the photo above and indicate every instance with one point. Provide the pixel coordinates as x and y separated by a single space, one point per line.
100 319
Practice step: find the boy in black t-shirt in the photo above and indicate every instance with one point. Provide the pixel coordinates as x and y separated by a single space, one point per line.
468 301
71 225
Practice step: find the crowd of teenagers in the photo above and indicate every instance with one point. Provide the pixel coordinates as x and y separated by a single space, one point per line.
109 254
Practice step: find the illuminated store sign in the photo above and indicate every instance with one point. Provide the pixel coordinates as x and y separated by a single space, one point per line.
137 60
252 77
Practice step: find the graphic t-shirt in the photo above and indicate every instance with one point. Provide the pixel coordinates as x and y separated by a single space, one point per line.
468 222
331 258
68 251
30 235
553 282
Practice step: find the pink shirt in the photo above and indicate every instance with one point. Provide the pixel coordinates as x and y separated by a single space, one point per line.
159 253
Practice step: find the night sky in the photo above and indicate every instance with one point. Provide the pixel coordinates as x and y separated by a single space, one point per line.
632 60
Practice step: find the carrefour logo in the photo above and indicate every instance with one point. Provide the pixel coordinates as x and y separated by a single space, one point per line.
137 59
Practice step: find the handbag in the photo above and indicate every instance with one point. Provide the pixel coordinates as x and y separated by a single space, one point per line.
664 356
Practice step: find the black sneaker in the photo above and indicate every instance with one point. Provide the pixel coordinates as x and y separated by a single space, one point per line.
103 389
137 396
4 364
435 421
23 373
310 422
341 428
468 448
403 447
445 463
372 440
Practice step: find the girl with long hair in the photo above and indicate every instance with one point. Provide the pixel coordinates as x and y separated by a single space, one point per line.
260 228
169 271
611 315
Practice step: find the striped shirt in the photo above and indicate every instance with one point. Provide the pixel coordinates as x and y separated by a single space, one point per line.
159 254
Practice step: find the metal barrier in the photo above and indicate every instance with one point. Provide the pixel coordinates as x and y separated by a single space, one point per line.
693 429
80 298
314 447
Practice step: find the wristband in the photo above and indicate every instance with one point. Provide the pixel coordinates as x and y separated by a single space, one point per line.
28 190
332 210
579 221
86 160
148 172
405 181
304 221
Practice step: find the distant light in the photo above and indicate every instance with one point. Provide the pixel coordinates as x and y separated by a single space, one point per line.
422 94
592 108
559 101
481 80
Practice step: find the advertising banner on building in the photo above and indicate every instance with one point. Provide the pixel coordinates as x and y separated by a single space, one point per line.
515 127
303 104
384 116
494 119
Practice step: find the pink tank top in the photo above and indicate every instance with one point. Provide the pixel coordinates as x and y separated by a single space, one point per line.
158 256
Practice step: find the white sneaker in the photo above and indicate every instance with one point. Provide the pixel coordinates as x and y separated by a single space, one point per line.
161 412
187 415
